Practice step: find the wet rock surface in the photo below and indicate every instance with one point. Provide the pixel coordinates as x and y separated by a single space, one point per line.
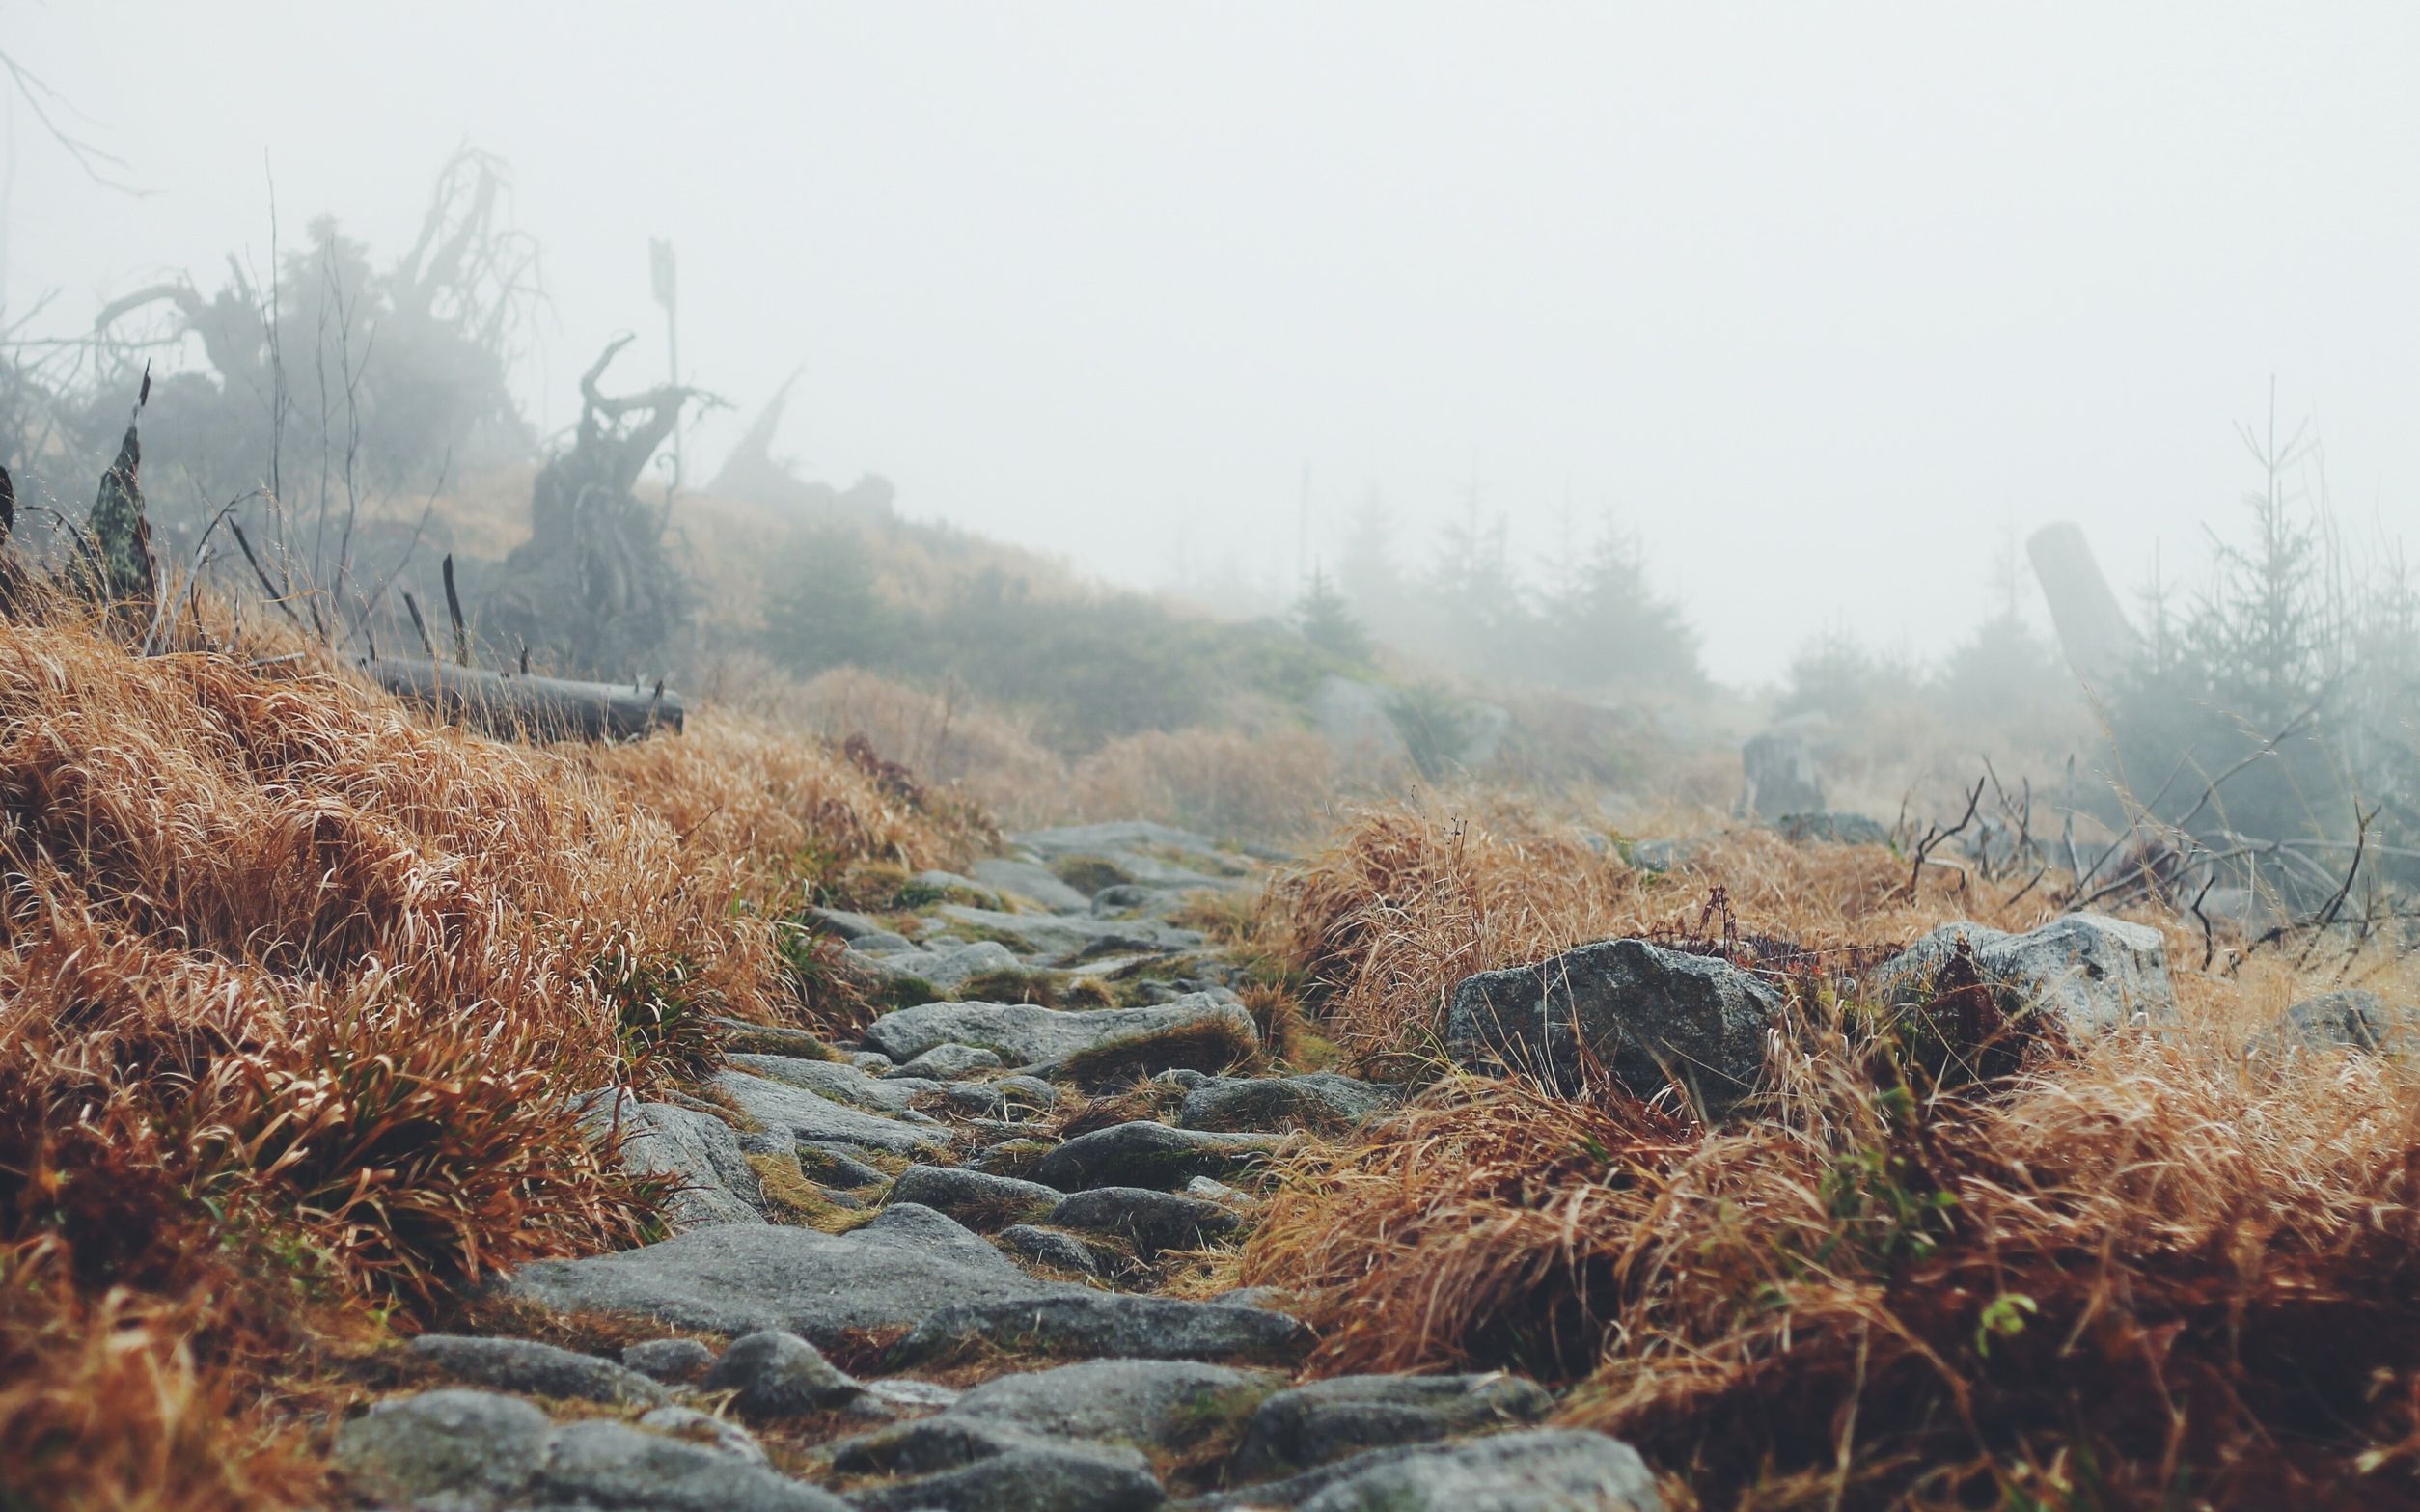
1027 1034
978 1199
1650 1016
857 1225
1322 1101
1147 1154
773 1374
812 1115
894 1272
515 1364
1105 1325
1150 1221
1326 1420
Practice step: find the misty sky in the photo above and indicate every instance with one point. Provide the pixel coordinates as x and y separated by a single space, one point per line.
1818 298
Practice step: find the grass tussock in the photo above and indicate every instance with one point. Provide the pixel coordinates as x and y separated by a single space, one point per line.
2130 1275
297 999
1413 895
1213 1046
103 1406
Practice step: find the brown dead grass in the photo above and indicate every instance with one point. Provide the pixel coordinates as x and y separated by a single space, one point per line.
297 996
1414 895
1273 785
1255 776
2134 1276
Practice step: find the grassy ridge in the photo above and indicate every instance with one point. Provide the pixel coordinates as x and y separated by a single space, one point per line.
297 996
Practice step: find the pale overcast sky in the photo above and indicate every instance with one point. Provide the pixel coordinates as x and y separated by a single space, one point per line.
1818 297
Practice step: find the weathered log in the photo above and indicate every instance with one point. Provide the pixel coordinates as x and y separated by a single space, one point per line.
516 706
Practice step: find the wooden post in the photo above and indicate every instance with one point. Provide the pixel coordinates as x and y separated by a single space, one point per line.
2094 632
667 295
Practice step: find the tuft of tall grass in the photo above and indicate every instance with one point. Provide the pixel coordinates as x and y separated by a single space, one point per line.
1410 895
300 999
2132 1274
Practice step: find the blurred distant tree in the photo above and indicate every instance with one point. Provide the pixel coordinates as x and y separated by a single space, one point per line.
2003 673
343 376
823 608
1436 726
1479 609
1835 675
1603 626
1323 618
1367 573
2269 646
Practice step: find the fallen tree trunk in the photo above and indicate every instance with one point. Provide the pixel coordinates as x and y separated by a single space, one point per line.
519 706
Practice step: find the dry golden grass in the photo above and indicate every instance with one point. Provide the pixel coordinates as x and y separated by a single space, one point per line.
297 996
2134 1276
1259 778
1277 785
103 1405
1417 893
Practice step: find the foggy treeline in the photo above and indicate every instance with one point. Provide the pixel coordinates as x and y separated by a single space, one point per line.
352 411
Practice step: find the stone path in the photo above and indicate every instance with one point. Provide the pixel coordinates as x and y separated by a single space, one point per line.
906 1211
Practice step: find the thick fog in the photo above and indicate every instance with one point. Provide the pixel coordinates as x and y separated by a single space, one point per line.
1821 300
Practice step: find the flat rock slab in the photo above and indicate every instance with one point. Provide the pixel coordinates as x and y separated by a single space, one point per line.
977 1198
1022 1033
810 1116
1107 1325
1070 936
476 1451
948 966
1009 1098
1648 1015
604 1464
944 1441
1322 1101
842 1084
1328 1420
1544 1470
1038 1477
949 1064
520 1365
698 1150
1032 881
898 1271
1153 1155
1161 1404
